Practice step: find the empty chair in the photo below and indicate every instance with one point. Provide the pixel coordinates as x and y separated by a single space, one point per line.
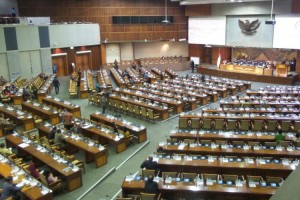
296 126
270 144
206 124
195 123
254 180
148 196
252 144
221 142
284 143
258 125
189 141
271 125
205 142
286 125
244 125
188 177
213 177
273 181
144 112
169 174
153 116
230 179
147 172
231 125
183 123
238 144
219 124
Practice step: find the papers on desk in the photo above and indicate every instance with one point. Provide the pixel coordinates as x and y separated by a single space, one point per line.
88 126
181 146
75 169
117 138
252 184
101 148
23 145
129 178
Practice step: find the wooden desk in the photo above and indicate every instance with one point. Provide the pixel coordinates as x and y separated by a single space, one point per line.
45 88
140 132
118 77
37 109
191 191
227 136
91 153
18 117
61 104
105 138
243 69
72 178
28 192
171 73
242 117
164 114
251 110
177 106
193 103
219 167
173 149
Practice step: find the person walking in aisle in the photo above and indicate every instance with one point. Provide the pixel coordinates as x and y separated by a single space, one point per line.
56 85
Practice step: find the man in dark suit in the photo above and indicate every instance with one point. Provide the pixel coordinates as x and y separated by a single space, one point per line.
151 186
149 164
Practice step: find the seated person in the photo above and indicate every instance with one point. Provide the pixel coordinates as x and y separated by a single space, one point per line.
6 124
151 186
34 90
297 137
149 164
75 128
68 117
278 137
34 171
59 139
26 94
50 178
4 150
10 190
51 135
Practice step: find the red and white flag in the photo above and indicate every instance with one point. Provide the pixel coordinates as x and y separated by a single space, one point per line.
219 59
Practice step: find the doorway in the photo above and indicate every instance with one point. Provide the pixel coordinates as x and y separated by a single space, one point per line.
83 60
61 62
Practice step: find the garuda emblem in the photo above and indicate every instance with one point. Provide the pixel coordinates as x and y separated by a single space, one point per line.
248 28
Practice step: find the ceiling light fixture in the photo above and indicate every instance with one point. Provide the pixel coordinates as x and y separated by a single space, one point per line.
166 21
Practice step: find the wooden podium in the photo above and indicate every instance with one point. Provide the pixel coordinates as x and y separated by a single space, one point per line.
281 70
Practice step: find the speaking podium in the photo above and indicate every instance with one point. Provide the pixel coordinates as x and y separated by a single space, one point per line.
281 70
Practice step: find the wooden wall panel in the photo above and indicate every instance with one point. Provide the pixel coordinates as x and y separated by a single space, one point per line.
196 50
198 10
101 11
295 6
298 61
225 54
71 56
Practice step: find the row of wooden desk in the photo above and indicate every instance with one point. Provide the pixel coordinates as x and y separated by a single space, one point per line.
137 130
73 179
30 192
233 151
61 104
203 99
44 113
176 105
91 152
182 190
18 117
163 112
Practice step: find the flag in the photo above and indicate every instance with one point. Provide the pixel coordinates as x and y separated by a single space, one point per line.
219 59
